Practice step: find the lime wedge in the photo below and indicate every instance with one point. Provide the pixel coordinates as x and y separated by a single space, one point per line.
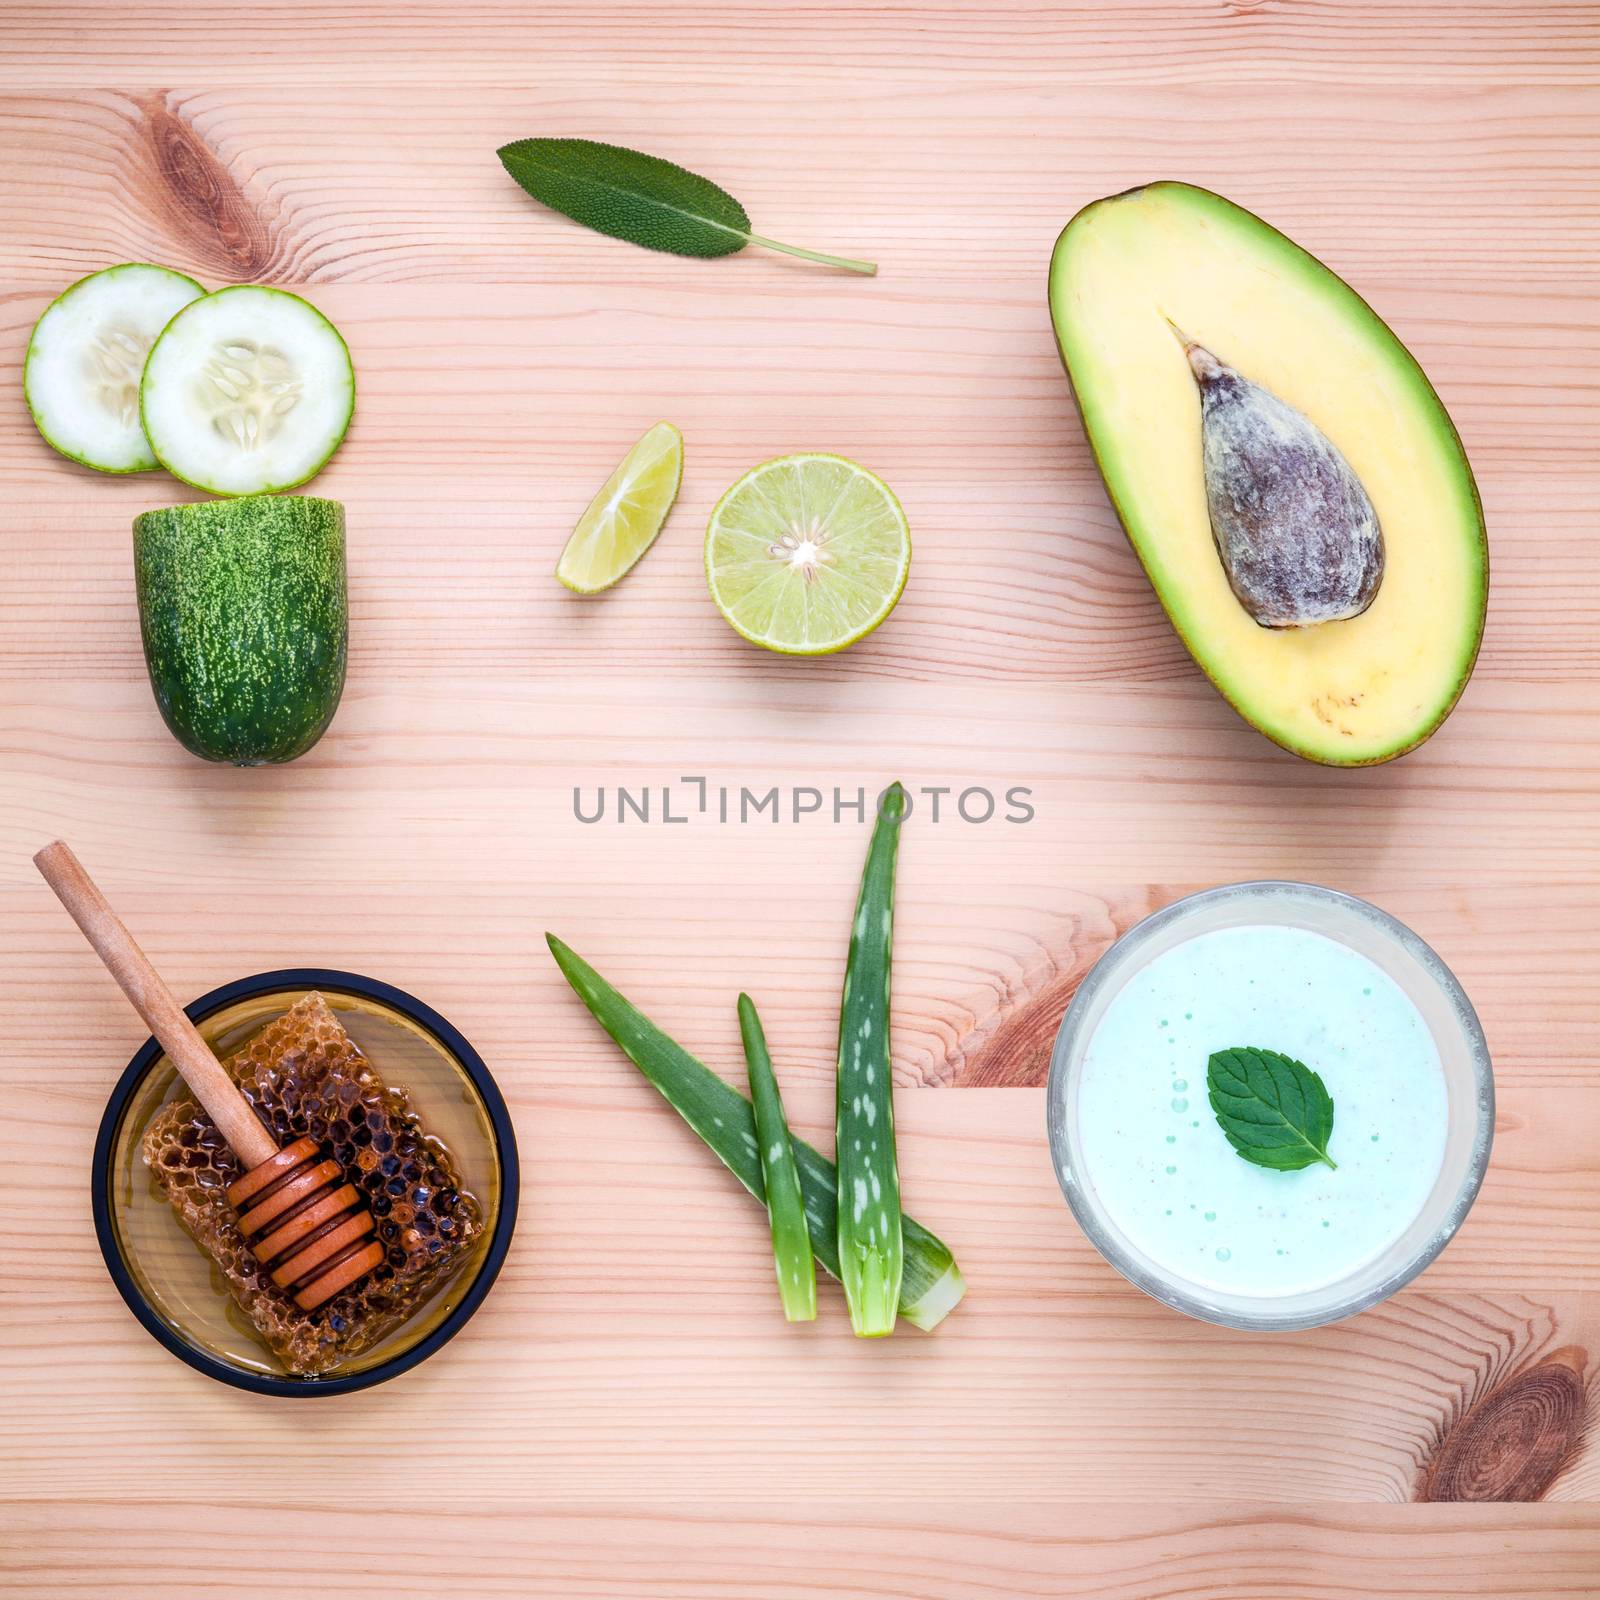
807 554
624 518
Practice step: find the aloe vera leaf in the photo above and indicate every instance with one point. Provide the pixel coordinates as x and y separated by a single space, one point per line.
931 1285
786 1206
871 1249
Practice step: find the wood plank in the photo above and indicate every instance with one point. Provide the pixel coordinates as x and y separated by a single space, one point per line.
980 986
1456 42
954 1551
276 182
597 1430
1127 785
433 467
636 1317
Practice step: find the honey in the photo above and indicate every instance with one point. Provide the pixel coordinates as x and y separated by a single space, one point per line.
306 1077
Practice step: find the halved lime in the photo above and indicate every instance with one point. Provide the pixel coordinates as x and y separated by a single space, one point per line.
624 518
807 554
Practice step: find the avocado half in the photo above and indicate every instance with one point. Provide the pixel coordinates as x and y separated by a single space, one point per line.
1129 269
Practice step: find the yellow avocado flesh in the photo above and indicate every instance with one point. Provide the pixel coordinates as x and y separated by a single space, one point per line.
1126 270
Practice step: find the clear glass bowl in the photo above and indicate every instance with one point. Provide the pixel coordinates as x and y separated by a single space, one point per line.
1425 980
174 1288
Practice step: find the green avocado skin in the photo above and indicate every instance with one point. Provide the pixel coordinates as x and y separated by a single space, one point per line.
243 610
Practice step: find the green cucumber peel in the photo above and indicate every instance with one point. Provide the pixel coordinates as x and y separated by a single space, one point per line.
786 1205
931 1285
245 618
871 1247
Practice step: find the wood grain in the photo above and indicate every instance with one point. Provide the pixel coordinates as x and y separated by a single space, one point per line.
942 1547
595 1430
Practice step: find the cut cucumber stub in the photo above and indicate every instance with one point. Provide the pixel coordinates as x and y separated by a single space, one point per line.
251 395
81 375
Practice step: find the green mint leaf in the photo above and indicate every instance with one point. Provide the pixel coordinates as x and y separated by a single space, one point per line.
1274 1111
641 198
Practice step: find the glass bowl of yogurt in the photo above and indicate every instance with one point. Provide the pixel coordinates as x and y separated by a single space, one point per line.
1333 983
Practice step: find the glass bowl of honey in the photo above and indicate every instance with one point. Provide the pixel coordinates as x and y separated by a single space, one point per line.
389 1089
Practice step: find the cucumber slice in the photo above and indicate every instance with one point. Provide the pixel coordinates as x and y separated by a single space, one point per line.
81 373
247 391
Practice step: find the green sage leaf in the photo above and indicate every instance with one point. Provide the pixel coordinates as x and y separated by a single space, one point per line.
1274 1111
641 198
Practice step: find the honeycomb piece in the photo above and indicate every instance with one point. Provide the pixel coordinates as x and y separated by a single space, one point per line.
306 1076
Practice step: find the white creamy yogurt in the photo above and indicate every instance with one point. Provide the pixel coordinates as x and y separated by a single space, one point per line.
1151 1147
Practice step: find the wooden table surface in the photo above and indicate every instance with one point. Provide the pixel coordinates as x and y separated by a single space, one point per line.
628 1415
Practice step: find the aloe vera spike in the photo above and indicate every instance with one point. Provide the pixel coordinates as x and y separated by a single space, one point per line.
932 1284
786 1207
871 1249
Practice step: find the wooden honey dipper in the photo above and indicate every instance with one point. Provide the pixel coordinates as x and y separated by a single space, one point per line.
304 1222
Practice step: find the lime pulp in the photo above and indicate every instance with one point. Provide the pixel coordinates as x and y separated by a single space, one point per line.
624 518
807 554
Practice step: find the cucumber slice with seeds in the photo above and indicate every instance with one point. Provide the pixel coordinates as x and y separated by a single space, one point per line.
81 374
247 392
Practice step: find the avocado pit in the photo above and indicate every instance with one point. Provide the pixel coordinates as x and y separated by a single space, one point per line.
1293 526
